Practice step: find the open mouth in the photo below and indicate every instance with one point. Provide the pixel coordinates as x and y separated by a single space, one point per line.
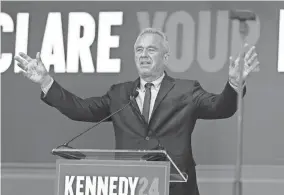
145 63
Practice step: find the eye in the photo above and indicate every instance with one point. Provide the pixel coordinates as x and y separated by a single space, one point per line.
139 50
151 50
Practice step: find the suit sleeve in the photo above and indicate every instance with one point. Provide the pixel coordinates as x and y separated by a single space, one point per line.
91 109
215 106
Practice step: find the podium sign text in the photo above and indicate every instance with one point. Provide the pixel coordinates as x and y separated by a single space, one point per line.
112 177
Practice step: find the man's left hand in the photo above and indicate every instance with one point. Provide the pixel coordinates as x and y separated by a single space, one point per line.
251 63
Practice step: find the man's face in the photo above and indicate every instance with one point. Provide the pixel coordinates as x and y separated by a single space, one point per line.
150 55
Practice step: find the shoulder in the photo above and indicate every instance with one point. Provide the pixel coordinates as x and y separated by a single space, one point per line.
121 88
186 83
121 85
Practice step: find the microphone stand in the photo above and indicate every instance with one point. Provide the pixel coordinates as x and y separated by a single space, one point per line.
238 171
242 16
78 155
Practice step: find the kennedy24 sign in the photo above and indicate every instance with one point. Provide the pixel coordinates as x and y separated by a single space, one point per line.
112 177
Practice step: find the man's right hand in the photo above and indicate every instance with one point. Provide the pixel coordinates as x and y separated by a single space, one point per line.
33 69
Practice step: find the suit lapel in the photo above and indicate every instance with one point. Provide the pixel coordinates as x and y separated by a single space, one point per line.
134 87
134 104
166 85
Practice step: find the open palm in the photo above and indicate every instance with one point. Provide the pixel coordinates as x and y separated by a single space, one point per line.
251 63
33 69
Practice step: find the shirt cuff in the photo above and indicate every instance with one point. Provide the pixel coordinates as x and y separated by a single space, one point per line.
235 87
47 85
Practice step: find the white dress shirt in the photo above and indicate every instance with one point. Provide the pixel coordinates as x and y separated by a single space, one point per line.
154 92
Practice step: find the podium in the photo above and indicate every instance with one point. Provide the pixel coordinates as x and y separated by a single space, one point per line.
115 172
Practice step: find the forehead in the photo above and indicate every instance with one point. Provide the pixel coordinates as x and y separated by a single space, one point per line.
149 39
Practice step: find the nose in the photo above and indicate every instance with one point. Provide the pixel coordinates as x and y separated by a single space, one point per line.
145 53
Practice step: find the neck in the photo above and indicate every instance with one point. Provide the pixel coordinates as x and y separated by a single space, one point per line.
151 78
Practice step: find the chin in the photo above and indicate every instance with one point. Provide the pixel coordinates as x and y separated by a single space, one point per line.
145 71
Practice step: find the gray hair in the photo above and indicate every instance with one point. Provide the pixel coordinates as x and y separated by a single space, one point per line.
158 32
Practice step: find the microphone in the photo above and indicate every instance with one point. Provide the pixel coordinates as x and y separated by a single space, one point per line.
79 155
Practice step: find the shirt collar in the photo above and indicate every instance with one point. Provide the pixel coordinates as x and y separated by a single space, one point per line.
156 83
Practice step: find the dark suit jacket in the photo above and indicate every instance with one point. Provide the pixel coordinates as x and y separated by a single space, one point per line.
178 105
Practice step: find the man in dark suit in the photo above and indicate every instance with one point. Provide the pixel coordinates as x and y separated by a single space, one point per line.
166 109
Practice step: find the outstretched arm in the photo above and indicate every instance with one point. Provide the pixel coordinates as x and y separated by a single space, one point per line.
224 105
89 109
215 106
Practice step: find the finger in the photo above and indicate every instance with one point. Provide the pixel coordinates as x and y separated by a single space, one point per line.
251 60
22 62
231 62
253 67
26 68
246 47
25 56
234 62
23 68
237 63
38 57
253 56
246 67
250 52
23 73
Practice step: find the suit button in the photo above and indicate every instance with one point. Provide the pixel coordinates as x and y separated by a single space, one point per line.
147 138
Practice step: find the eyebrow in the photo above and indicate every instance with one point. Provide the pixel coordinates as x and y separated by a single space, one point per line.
151 46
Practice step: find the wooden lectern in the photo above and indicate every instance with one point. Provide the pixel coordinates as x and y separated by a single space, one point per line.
115 172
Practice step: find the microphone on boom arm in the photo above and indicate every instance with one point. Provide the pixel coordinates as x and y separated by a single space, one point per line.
76 154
